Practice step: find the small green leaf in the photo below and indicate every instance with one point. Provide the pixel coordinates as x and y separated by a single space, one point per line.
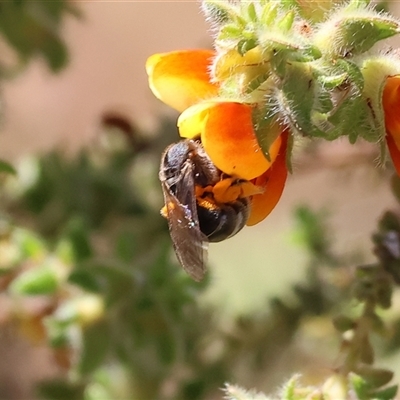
85 279
288 391
267 129
30 245
355 32
166 348
374 377
269 13
245 45
7 168
296 98
219 12
55 53
286 23
332 81
78 234
343 323
388 393
36 281
229 31
60 389
367 354
126 246
361 387
95 347
252 12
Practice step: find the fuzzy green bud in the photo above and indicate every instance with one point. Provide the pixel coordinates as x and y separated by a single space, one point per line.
354 29
219 12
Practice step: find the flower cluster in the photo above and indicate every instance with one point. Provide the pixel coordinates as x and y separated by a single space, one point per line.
279 71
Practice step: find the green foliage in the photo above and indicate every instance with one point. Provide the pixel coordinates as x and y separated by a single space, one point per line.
33 28
109 276
41 280
372 286
61 390
7 168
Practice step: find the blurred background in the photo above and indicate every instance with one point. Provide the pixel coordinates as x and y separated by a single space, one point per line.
85 135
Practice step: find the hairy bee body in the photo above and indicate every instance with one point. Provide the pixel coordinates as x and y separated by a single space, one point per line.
194 217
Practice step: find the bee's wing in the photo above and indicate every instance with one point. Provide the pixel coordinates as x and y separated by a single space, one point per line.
189 242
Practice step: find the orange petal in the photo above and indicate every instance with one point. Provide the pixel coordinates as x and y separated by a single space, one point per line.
228 137
391 106
181 78
274 182
394 153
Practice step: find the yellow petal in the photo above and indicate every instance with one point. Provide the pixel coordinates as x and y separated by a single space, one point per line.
273 181
181 78
191 122
231 62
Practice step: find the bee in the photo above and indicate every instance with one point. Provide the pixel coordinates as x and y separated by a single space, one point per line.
195 213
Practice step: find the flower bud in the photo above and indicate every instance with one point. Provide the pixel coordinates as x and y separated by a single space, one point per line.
354 29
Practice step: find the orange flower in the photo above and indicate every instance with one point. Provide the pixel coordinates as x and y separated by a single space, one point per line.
273 181
227 134
225 125
180 78
391 106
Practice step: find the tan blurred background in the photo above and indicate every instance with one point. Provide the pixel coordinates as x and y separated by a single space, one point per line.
108 49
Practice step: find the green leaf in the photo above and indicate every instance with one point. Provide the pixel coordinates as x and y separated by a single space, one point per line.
361 387
269 13
125 248
360 34
266 128
388 393
296 100
229 31
85 279
286 23
354 30
245 45
95 347
113 280
367 354
30 245
31 28
251 12
7 168
343 323
166 346
374 377
78 233
36 281
55 53
288 391
60 389
219 12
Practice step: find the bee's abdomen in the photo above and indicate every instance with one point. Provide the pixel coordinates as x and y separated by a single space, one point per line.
220 222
